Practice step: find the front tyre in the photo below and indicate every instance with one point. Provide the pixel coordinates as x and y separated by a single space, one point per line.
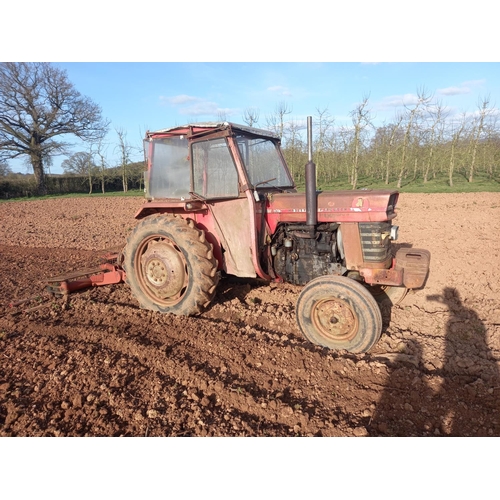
170 266
339 313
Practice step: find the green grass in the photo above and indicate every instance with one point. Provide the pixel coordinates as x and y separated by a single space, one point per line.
130 192
481 183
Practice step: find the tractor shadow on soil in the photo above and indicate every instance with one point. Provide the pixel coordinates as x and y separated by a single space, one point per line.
231 288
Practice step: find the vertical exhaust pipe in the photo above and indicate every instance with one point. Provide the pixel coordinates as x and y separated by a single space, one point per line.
311 196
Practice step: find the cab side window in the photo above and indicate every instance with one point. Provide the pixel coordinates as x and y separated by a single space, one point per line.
214 171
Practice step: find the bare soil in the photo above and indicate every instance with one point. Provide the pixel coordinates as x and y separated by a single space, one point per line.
100 366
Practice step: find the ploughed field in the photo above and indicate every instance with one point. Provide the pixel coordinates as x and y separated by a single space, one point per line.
100 366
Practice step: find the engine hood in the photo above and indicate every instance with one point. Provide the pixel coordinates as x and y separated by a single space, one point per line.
334 206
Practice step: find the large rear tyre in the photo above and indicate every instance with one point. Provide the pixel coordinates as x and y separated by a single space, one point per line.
170 266
339 313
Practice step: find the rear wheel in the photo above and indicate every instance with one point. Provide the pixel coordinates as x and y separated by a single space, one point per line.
170 266
339 313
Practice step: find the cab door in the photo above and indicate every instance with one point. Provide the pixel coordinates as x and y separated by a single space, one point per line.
216 180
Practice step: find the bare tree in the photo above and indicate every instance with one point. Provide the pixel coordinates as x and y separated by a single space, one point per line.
77 163
394 131
412 113
222 115
478 130
438 115
39 107
81 164
103 163
4 169
294 151
125 150
334 145
454 141
276 121
323 126
251 116
492 150
345 135
360 120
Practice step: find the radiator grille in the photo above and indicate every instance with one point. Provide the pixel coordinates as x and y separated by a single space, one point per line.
375 241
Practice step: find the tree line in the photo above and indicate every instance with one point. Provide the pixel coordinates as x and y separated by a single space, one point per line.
421 142
95 170
17 185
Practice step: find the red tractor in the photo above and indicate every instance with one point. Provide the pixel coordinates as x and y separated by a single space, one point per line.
221 200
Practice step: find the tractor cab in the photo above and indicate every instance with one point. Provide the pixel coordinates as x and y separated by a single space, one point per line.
211 161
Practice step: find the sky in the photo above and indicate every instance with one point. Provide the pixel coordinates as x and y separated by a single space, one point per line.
194 65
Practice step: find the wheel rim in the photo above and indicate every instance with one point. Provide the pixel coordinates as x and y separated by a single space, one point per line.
334 319
163 271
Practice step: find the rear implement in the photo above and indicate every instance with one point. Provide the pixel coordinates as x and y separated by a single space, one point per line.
109 272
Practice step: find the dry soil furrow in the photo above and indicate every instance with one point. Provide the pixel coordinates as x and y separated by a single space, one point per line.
227 388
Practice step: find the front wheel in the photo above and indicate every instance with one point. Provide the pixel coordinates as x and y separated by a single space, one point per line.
339 313
170 266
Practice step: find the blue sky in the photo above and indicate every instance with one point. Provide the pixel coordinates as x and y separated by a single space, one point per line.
216 65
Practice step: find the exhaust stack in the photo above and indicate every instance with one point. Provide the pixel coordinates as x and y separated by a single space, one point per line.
311 196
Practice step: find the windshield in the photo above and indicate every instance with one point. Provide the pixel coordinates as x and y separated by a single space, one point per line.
263 162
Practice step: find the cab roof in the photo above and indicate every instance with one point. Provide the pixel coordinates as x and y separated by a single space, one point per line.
208 126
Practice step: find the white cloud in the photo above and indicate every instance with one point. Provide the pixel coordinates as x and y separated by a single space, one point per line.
280 90
180 99
473 83
197 106
453 91
395 101
463 88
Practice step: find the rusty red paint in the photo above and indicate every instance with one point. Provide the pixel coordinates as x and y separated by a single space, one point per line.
339 206
352 245
393 276
105 274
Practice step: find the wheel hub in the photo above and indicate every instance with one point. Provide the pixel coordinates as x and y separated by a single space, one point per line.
164 268
156 272
335 319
